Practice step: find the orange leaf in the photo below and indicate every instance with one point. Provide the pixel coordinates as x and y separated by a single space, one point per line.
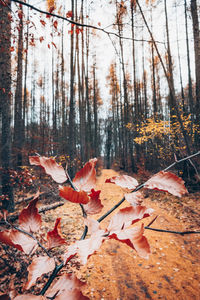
124 181
85 179
50 166
167 182
39 266
29 218
54 237
41 39
73 196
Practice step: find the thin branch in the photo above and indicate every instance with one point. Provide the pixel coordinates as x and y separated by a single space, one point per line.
80 24
181 160
143 184
172 231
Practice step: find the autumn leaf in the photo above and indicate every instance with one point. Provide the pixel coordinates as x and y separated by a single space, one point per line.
85 248
41 39
29 297
134 198
128 216
94 205
93 225
54 237
55 24
29 218
123 181
85 179
67 287
69 194
39 266
134 238
167 182
69 14
50 166
43 22
18 240
51 5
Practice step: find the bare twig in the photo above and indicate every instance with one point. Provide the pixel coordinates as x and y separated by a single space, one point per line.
172 231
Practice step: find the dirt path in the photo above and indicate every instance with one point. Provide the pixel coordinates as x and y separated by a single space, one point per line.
116 272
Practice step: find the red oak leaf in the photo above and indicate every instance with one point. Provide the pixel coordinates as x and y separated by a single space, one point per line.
18 240
39 266
167 182
127 216
94 205
134 198
69 194
124 181
134 238
29 218
85 179
66 283
50 166
29 297
54 237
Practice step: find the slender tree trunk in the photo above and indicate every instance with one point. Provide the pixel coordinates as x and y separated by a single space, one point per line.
190 96
18 121
196 34
5 105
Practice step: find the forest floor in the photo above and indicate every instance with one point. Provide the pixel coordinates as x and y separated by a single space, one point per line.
115 271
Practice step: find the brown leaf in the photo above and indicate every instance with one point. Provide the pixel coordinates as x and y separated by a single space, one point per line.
134 238
128 216
50 166
29 297
39 266
18 240
94 205
54 237
29 218
134 198
124 181
167 182
85 179
69 194
67 287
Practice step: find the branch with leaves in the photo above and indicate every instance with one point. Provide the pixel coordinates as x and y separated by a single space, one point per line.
81 191
51 14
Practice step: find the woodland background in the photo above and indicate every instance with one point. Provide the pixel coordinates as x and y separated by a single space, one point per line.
117 80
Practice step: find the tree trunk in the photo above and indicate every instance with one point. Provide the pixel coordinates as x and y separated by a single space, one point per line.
5 103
